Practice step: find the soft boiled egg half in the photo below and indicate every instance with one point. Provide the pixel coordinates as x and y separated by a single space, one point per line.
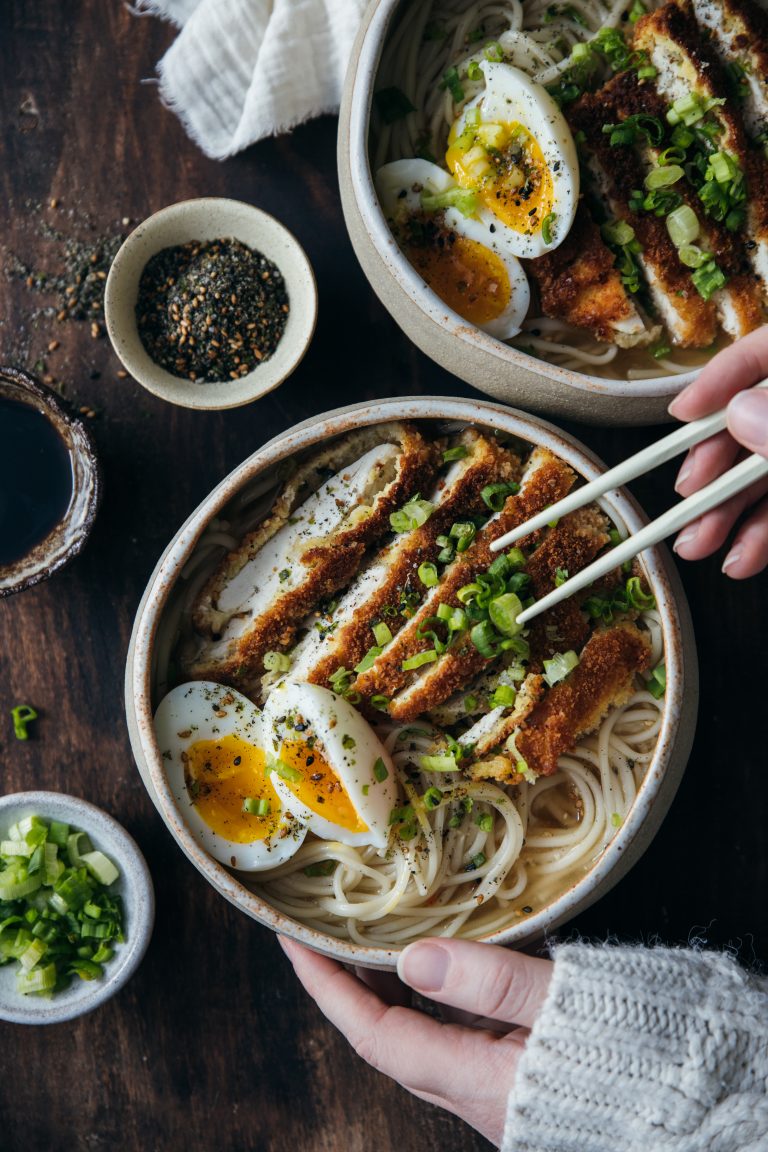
468 259
211 739
513 149
331 770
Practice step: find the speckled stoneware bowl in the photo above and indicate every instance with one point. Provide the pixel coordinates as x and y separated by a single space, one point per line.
160 603
210 218
68 537
505 373
134 886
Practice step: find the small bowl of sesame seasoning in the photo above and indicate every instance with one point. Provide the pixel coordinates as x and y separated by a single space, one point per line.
210 303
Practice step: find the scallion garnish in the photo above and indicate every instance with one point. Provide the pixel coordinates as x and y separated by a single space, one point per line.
547 226
428 574
495 495
382 634
380 771
412 515
277 661
286 771
369 659
321 868
380 703
657 683
559 666
464 200
452 82
419 660
392 104
432 798
459 452
484 821
444 762
503 696
23 715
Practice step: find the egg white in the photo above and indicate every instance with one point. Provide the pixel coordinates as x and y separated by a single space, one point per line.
201 711
399 186
510 96
348 744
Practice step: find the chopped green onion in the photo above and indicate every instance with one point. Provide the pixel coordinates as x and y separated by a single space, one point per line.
647 72
503 696
692 256
663 177
397 815
453 84
618 232
439 763
483 636
101 867
23 715
463 532
661 351
392 104
464 200
369 659
516 557
616 819
471 703
493 51
682 225
637 597
428 574
478 860
504 611
547 226
412 515
380 703
419 659
637 10
457 453
474 71
561 575
257 806
495 495
657 683
277 661
382 634
559 666
432 798
380 771
286 771
708 279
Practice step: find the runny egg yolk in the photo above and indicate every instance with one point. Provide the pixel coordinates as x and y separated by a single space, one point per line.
220 775
505 166
319 787
467 276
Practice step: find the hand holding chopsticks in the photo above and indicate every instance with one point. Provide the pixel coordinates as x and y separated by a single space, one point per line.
721 489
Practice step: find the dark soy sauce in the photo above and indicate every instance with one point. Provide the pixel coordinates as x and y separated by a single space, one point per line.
35 479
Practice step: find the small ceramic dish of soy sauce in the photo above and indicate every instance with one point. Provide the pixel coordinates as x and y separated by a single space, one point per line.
49 482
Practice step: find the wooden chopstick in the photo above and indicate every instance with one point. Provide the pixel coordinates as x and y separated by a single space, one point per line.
650 457
720 490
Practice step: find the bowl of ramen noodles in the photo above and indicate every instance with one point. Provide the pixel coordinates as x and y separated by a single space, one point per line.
343 725
563 203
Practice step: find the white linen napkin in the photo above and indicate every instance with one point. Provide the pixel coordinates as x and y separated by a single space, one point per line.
240 70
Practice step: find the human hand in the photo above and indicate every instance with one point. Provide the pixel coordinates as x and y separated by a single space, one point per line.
722 382
469 1070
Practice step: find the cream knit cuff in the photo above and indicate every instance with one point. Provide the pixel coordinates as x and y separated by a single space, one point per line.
644 1050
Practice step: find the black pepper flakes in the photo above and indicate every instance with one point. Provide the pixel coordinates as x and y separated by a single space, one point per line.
211 310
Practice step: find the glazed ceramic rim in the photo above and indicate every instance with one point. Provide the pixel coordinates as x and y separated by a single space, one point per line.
210 218
405 275
67 538
135 887
680 703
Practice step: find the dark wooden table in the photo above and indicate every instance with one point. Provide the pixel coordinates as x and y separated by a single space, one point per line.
213 1045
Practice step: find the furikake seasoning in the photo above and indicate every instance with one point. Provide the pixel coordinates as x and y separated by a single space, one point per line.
211 310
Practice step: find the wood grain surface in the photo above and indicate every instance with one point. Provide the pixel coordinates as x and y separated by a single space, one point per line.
213 1045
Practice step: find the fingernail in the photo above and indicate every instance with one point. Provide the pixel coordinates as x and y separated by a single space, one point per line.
732 558
672 408
683 475
686 537
424 966
748 419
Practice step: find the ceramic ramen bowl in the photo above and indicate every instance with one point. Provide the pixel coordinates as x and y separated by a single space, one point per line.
505 373
155 617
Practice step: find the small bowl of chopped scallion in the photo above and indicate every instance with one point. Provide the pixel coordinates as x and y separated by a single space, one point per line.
76 907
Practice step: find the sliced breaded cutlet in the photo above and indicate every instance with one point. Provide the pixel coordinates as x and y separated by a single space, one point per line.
686 64
545 480
392 576
690 320
739 303
305 551
739 30
579 284
603 679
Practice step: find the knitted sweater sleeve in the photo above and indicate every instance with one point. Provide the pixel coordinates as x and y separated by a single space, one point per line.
644 1050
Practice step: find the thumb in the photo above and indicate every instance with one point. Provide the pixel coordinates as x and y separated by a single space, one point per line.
748 420
481 978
